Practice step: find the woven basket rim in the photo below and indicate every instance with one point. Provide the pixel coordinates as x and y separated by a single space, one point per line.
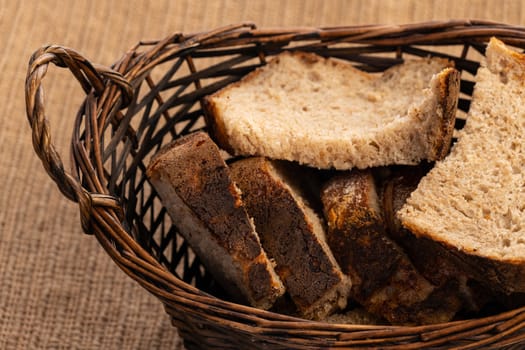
114 86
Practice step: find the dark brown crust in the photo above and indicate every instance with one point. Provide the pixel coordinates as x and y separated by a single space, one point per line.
500 276
448 96
381 272
202 180
356 234
194 168
432 260
286 233
260 282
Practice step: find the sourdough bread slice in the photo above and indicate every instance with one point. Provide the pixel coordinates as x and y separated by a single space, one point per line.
292 234
384 279
436 263
325 113
195 186
473 202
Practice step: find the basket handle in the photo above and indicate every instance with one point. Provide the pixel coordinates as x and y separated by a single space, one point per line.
92 78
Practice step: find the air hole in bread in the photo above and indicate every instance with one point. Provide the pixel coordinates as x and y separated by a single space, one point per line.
503 77
314 76
467 197
484 188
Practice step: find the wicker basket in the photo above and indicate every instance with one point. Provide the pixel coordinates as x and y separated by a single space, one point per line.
152 95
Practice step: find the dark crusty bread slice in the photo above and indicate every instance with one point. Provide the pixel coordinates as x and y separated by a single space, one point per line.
384 279
325 113
472 202
195 186
292 234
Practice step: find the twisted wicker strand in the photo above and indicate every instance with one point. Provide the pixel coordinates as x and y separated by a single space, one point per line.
91 78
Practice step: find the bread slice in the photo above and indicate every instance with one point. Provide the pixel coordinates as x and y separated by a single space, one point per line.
435 263
325 113
293 235
195 186
472 202
432 260
384 279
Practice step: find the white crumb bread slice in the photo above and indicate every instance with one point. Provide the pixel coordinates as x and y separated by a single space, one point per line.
474 200
325 113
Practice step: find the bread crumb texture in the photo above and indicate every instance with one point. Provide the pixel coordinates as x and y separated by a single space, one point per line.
325 113
474 200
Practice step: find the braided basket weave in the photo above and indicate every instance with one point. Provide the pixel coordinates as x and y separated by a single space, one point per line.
152 95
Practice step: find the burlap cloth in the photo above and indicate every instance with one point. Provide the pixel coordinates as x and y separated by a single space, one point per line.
59 290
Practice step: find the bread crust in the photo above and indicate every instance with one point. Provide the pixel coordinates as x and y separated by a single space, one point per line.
447 92
385 281
497 269
293 236
195 186
507 276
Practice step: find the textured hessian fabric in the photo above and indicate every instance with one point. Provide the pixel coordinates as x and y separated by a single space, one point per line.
58 288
